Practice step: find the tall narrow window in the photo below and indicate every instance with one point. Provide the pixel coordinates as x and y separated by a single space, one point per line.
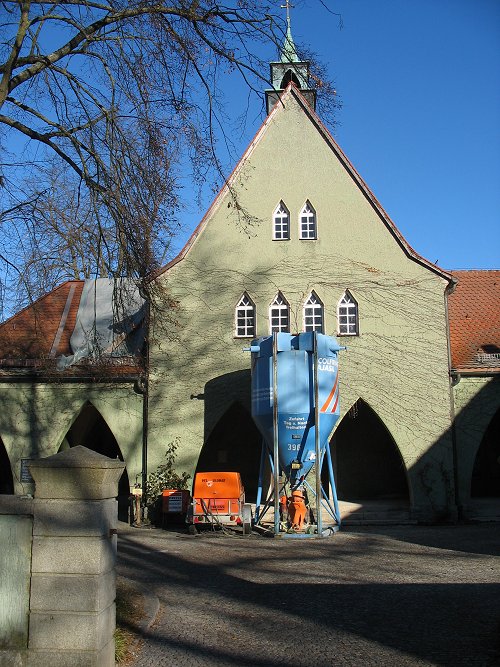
279 314
313 313
347 313
308 222
281 223
245 317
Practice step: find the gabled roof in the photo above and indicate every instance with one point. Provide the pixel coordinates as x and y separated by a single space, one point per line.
474 321
42 329
293 91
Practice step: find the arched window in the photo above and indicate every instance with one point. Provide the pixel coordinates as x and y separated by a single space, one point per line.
279 314
313 313
307 222
281 223
347 315
245 317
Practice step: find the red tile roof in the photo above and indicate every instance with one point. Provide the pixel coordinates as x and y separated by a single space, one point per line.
42 329
40 333
474 317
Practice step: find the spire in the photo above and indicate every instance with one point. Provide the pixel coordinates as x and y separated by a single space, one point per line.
289 69
289 52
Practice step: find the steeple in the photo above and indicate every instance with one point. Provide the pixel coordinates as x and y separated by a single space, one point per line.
289 68
289 52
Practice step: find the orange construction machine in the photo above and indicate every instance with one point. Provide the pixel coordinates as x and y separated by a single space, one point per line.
219 499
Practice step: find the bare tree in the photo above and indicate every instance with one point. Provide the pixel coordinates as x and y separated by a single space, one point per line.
105 100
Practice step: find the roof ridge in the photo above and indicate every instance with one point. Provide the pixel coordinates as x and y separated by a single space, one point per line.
474 271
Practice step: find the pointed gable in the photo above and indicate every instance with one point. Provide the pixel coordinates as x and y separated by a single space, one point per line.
293 110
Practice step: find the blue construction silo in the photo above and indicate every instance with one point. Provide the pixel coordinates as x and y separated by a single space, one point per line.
295 405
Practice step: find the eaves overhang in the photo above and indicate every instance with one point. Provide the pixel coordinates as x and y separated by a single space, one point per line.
475 372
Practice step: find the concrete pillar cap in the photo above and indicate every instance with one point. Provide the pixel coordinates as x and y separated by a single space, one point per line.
77 473
76 457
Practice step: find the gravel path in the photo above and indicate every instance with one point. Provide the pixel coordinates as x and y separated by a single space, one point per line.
406 595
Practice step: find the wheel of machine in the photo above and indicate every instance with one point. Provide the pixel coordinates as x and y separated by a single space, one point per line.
246 518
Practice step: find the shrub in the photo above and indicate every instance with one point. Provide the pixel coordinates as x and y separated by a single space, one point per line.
165 477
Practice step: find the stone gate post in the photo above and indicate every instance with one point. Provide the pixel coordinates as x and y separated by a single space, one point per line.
72 603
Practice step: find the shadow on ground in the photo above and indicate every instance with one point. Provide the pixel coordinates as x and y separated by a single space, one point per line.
396 596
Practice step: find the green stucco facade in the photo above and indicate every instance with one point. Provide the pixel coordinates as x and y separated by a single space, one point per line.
36 417
476 402
398 364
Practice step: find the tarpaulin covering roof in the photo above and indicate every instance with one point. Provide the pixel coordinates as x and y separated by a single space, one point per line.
108 321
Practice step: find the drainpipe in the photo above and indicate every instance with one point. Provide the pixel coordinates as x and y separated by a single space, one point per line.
144 390
145 413
452 381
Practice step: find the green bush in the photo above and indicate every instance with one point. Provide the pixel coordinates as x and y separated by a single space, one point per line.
165 477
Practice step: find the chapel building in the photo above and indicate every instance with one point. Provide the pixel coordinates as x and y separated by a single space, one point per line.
295 241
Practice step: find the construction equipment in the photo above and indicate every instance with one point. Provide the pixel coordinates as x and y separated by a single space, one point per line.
295 405
174 505
219 500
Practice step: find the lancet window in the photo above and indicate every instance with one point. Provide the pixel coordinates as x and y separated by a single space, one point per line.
307 222
279 314
313 313
245 317
347 314
281 223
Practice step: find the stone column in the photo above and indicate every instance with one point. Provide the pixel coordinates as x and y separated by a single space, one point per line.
72 606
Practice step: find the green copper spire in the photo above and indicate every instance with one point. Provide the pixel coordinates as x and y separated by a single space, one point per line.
289 52
289 70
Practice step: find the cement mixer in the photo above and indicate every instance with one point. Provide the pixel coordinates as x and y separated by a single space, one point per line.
295 405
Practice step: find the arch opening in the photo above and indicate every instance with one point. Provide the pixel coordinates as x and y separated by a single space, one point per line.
485 479
91 430
234 445
6 477
366 459
289 76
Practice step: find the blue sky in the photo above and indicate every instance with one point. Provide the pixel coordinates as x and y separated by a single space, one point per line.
419 82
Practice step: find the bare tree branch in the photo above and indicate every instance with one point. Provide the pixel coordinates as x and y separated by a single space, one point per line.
113 100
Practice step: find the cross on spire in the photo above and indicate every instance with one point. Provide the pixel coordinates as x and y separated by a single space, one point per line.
289 52
287 6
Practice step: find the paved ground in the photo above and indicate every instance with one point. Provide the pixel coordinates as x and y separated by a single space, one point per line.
405 595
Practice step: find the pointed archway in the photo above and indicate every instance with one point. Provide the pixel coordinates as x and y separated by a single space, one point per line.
485 481
6 478
367 461
91 430
234 445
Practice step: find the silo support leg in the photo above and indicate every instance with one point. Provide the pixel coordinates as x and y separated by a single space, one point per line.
332 483
258 500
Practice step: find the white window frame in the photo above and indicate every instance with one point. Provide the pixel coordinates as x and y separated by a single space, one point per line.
279 310
281 222
347 315
314 304
245 317
308 223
